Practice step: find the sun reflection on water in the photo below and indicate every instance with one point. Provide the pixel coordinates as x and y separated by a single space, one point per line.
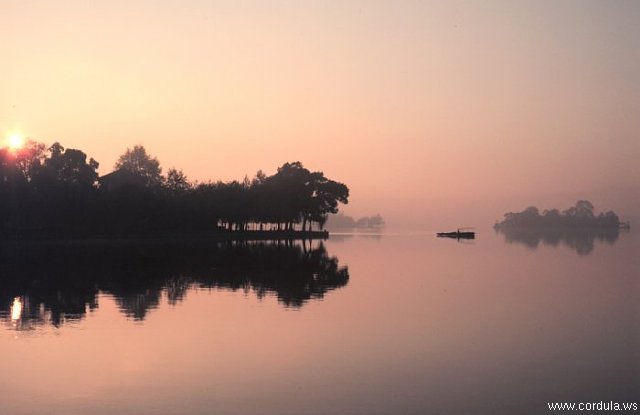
16 310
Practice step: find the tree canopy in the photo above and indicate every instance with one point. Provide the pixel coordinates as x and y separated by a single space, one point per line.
137 160
65 167
57 190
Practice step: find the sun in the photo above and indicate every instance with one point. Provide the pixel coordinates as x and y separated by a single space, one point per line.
15 141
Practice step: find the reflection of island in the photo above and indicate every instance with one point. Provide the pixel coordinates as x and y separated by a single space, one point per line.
581 240
59 283
577 227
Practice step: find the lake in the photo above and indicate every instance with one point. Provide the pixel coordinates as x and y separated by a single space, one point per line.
398 323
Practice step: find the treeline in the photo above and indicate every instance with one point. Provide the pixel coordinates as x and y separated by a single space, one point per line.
342 221
579 216
57 191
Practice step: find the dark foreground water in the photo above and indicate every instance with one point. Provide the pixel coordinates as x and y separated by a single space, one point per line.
391 324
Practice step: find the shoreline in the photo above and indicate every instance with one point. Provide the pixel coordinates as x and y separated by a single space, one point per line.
173 237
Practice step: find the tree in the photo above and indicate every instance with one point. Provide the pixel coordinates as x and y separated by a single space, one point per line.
29 158
584 209
177 181
68 167
259 179
290 192
10 173
376 221
137 161
325 196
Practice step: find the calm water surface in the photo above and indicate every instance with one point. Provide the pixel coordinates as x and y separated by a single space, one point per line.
390 324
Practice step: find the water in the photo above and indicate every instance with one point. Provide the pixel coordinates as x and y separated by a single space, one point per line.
365 324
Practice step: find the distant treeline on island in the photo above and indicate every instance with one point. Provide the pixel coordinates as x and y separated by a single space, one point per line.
342 221
580 216
57 192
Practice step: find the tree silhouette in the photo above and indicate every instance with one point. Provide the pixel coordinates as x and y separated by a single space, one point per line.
177 181
10 172
326 194
68 167
54 193
28 158
137 161
308 197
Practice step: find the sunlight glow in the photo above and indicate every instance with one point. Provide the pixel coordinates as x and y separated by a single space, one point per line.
15 141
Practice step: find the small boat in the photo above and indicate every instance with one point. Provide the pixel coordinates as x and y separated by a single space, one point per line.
457 234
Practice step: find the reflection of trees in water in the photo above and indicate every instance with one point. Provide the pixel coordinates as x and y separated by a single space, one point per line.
54 283
27 312
293 273
580 240
343 237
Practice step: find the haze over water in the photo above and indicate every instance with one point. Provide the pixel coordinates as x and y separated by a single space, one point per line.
419 325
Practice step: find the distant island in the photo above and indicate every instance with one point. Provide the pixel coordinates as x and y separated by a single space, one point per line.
578 227
580 216
342 221
56 192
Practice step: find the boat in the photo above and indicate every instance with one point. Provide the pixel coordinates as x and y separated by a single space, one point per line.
457 234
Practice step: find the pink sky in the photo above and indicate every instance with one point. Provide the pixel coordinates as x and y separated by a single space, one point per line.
432 112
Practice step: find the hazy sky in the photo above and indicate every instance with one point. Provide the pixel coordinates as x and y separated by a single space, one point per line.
437 112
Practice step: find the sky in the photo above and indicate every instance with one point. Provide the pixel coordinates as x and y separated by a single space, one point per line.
434 113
